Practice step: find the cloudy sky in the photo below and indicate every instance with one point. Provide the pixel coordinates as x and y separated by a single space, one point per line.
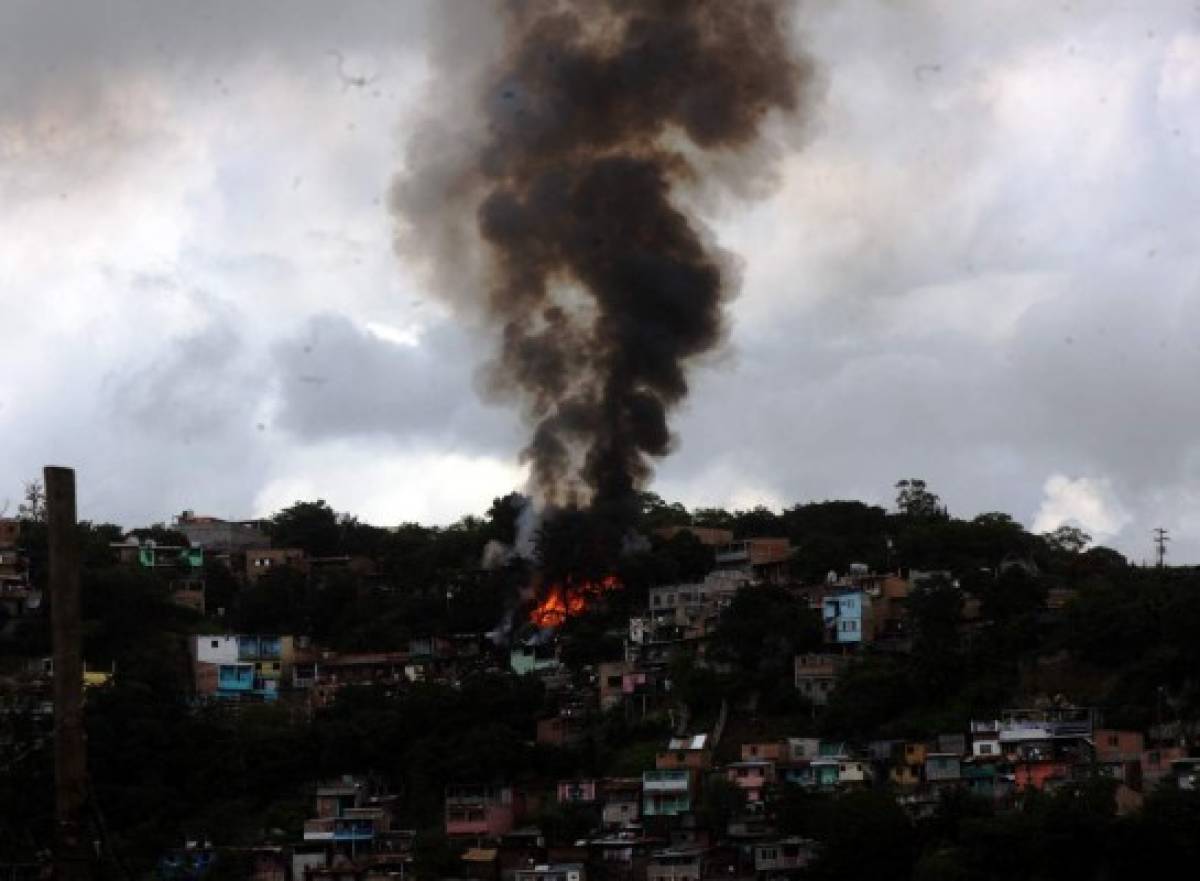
979 267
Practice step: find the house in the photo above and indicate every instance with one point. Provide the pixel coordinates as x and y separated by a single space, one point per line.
222 536
566 729
246 667
943 768
666 792
620 802
676 864
853 772
752 777
1118 746
783 858
260 561
985 740
816 676
1156 764
535 653
481 811
577 792
761 559
553 872
350 826
691 752
844 615
803 748
770 751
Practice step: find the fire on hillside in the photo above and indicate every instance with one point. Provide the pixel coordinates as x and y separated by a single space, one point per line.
566 599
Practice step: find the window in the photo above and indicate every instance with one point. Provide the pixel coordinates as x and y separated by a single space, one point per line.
1113 740
275 666
985 749
215 643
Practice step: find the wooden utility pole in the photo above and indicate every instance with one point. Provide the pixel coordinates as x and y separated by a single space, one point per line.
71 858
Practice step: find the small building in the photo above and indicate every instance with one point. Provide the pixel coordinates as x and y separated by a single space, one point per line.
676 864
577 792
751 777
666 792
553 872
260 561
762 559
690 752
783 858
844 615
816 676
768 751
480 811
620 802
941 768
1118 746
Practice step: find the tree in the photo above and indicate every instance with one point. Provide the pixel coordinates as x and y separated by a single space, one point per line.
1067 539
311 526
914 499
33 508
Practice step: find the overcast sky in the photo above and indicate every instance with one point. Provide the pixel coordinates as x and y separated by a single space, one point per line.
980 267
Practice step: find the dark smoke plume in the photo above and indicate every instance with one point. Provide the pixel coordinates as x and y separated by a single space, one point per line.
600 287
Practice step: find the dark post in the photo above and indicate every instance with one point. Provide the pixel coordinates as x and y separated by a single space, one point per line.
71 859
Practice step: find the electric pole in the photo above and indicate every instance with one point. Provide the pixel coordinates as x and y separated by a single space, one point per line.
1161 537
71 857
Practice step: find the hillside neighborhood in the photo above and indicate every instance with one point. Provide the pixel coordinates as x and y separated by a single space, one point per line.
432 703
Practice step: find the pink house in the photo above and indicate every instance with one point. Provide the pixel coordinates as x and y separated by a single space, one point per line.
481 811
751 777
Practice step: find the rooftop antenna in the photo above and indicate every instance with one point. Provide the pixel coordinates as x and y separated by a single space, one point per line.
1161 537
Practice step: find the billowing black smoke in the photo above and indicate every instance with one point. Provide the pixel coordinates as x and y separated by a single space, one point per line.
600 287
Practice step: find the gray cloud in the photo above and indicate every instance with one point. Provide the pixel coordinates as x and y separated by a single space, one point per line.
338 380
980 267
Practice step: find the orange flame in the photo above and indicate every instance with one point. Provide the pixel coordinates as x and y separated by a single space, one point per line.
566 600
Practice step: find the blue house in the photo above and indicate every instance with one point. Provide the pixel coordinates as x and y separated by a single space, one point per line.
842 614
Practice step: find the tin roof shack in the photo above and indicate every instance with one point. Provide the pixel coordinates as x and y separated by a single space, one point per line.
816 675
481 812
620 802
783 859
676 864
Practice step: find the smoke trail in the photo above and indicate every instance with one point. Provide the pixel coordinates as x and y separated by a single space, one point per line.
600 288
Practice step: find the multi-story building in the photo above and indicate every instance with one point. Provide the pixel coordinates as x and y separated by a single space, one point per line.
761 559
676 864
221 536
552 872
666 792
481 811
620 802
246 667
816 675
752 777
845 615
784 858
